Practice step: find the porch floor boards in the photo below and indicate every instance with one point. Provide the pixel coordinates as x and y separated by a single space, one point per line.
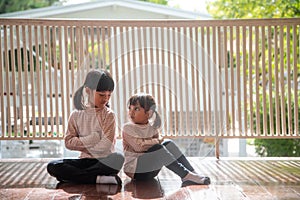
231 178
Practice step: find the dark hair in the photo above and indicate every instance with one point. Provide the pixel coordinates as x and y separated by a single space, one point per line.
97 79
147 102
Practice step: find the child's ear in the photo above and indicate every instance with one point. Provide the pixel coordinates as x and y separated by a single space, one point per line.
150 113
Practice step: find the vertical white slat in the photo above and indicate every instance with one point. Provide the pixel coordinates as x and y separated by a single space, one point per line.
26 82
134 57
270 80
238 132
140 65
173 82
226 84
232 88
32 82
3 117
179 92
289 93
129 68
77 55
111 63
215 71
67 75
99 44
50 77
110 52
185 89
151 59
214 91
108 29
175 67
215 82
204 84
7 89
37 73
277 110
87 60
115 71
257 54
162 83
92 44
264 87
250 66
282 82
122 67
198 52
146 62
13 82
44 81
245 81
62 67
20 79
55 65
220 43
103 46
159 53
72 61
194 108
170 55
208 78
129 55
295 69
80 58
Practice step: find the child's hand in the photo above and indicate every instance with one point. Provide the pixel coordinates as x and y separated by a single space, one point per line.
160 139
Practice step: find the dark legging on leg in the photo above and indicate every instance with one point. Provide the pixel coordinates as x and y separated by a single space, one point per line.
173 149
150 163
85 170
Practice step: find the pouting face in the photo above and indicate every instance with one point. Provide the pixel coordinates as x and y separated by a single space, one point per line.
138 115
99 99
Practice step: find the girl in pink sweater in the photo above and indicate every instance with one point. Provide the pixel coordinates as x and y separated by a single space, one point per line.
145 153
91 130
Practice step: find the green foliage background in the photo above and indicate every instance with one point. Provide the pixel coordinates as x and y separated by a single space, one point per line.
238 9
7 6
245 9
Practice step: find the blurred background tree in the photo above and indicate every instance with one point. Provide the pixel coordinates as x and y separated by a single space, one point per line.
245 9
7 6
163 2
242 9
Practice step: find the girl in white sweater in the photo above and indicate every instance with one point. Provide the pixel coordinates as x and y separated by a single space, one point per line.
91 130
145 153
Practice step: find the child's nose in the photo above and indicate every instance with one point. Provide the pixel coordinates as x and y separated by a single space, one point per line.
131 113
106 97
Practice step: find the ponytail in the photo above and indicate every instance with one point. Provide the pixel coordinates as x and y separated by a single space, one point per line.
78 99
157 121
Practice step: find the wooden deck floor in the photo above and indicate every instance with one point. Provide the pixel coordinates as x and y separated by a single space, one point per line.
240 178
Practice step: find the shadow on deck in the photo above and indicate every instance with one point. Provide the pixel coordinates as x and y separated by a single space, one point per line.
232 178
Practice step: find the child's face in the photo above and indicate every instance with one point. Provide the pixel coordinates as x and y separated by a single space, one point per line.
101 98
138 115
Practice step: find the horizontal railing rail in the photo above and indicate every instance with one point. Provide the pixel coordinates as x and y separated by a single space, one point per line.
211 78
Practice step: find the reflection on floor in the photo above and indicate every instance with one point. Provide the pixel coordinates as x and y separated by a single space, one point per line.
234 179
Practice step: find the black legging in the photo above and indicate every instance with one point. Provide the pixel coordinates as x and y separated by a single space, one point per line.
166 154
85 170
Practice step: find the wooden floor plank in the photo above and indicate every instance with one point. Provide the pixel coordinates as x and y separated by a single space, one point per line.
242 178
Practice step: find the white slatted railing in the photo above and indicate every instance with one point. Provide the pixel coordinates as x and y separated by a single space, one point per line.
211 78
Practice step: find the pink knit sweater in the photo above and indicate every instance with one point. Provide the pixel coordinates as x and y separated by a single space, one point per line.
91 131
